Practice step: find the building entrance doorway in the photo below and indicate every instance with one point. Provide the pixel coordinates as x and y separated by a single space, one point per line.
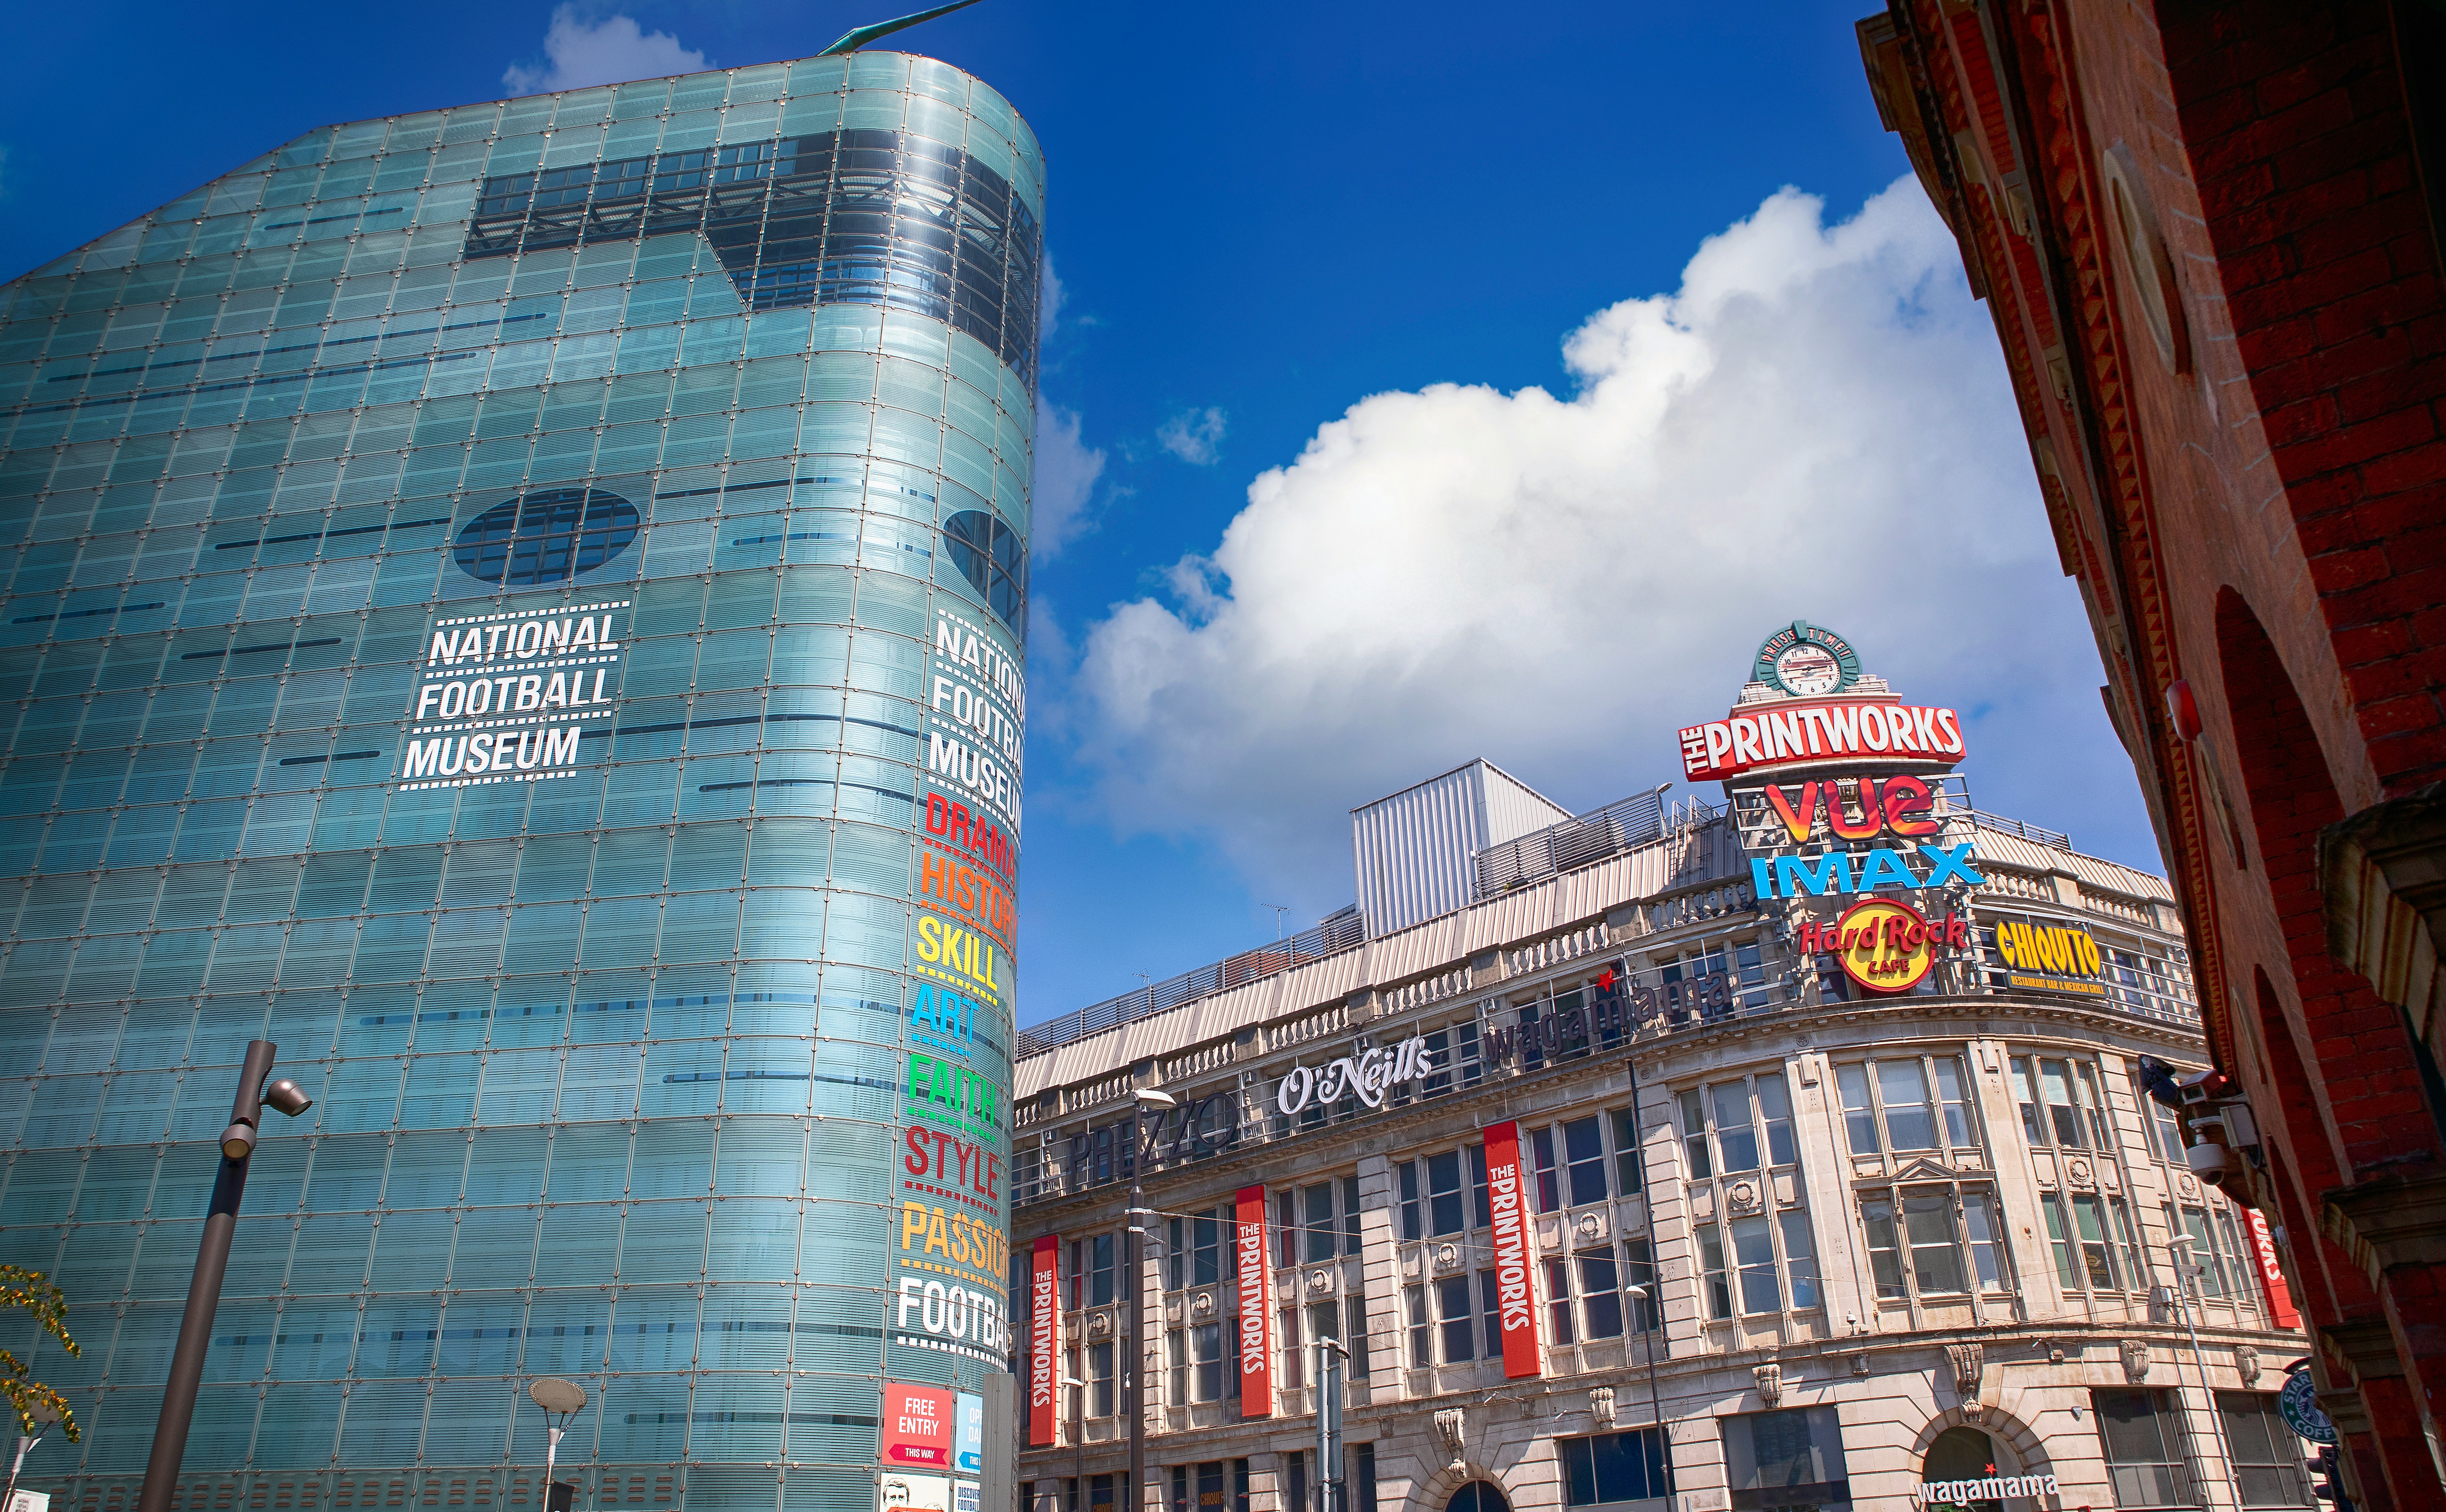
1965 1460
1478 1496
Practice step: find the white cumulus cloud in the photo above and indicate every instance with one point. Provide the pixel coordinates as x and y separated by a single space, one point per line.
1067 471
1195 435
1815 424
580 54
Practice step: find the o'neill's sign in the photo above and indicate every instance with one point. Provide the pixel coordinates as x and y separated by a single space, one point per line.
1993 1488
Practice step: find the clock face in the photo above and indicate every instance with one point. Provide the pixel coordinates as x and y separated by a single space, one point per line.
1808 669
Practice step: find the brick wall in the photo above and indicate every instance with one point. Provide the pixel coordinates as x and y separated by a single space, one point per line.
2294 121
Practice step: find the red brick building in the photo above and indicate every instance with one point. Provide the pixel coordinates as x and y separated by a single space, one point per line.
2210 236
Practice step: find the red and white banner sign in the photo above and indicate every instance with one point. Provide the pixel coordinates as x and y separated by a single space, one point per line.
1777 734
917 1425
1515 1292
2271 1274
1044 1339
1256 1309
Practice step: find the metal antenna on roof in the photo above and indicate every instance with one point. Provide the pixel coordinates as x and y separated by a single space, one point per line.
857 37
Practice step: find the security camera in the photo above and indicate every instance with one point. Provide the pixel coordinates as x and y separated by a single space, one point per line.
2206 1087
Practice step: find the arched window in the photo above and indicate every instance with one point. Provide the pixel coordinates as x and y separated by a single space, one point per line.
1478 1496
1963 1454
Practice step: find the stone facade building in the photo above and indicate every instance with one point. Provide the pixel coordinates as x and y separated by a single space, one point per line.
1843 1244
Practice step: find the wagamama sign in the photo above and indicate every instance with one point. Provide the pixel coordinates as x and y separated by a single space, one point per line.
1993 1488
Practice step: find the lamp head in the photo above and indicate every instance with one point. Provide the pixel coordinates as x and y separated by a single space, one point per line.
287 1098
1157 1097
1634 1289
237 1140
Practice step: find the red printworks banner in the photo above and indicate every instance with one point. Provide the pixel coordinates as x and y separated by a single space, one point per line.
1256 1313
2271 1274
1044 1344
1515 1294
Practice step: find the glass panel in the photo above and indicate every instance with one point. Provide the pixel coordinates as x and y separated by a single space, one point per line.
1775 1109
1736 1138
1858 1117
1936 1259
1902 1087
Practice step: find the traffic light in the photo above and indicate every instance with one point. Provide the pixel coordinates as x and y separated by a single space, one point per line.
2329 1479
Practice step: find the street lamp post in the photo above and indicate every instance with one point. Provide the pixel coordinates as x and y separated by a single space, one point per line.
1655 1402
1330 1353
212 1262
1133 1365
1078 1445
1642 1294
44 1415
2188 1271
561 1400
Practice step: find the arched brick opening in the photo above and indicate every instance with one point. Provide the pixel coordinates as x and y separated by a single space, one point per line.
2356 1039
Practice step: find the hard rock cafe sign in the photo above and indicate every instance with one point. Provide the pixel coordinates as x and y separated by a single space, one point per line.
1884 943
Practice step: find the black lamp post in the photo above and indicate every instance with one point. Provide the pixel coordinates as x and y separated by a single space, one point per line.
1133 1360
211 1261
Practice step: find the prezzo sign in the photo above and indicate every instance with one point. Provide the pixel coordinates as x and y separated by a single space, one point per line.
1994 1488
1516 1297
1366 1075
1044 1341
1256 1338
503 697
1777 733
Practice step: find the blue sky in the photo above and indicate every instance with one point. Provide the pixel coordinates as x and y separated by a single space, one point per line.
1319 534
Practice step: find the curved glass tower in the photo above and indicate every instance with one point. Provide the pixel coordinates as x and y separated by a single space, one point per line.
522 607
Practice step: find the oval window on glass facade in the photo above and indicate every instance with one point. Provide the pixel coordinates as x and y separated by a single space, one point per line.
547 536
990 555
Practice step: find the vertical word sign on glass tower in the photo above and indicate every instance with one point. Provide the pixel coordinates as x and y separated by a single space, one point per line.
522 605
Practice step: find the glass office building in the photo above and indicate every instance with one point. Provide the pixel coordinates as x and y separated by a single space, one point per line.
522 607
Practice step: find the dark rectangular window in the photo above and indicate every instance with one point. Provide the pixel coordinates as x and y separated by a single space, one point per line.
1627 1174
1549 1193
2140 1437
1584 1157
1411 1227
1453 1312
1317 1200
1626 1466
1445 1213
1363 1477
1788 1458
2266 1463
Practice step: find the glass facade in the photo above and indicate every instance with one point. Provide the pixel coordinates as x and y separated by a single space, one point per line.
522 605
